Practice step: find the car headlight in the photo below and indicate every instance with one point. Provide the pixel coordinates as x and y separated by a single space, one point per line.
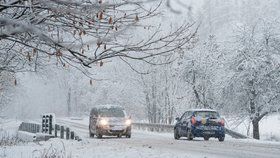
103 122
128 122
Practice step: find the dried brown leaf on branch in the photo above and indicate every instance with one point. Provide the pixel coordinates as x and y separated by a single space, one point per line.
59 53
77 24
100 16
15 82
34 51
136 18
28 56
110 20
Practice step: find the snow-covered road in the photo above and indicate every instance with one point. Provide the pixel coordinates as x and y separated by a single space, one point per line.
148 144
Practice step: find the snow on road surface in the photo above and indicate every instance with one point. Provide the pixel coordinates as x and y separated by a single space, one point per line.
148 144
142 144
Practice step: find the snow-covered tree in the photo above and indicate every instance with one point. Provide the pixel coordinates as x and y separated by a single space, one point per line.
253 89
164 91
200 72
84 32
7 83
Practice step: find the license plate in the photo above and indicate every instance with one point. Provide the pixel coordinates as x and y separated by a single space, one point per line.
209 128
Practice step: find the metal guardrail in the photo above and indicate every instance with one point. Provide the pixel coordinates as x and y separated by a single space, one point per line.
30 127
154 127
235 134
62 132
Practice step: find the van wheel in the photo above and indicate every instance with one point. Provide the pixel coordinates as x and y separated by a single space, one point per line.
99 136
91 135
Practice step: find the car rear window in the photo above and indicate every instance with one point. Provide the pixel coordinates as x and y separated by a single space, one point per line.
111 112
209 114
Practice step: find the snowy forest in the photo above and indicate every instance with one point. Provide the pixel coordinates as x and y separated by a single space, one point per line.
154 58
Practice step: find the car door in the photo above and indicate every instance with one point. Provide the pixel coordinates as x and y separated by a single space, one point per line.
183 124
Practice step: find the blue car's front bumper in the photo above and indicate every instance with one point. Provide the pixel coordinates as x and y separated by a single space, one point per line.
208 131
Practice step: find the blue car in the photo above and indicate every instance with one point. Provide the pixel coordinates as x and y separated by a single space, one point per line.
204 123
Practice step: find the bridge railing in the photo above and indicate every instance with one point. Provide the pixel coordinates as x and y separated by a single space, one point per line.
30 127
59 131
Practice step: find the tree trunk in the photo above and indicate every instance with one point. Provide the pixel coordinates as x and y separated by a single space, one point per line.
256 131
69 102
254 111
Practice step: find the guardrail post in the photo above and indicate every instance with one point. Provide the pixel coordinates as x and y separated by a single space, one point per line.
67 133
62 132
72 135
56 127
50 124
43 124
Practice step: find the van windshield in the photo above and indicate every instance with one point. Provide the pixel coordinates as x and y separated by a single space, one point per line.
111 112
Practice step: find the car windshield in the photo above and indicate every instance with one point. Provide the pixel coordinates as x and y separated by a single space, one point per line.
210 114
111 112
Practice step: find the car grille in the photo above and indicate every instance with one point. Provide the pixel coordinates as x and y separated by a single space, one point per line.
117 131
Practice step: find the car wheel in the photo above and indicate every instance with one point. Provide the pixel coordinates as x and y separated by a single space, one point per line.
189 135
128 136
221 139
206 138
176 134
91 135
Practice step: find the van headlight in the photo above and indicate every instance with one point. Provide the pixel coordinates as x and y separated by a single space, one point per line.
128 122
103 122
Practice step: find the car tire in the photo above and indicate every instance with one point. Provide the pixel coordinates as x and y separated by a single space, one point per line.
206 138
189 135
128 136
176 134
91 135
221 139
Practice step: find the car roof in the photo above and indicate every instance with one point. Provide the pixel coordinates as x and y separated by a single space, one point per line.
202 110
108 106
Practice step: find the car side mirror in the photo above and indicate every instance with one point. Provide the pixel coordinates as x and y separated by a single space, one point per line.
177 118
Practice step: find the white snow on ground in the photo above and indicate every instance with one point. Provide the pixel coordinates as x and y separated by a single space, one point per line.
269 128
142 144
92 148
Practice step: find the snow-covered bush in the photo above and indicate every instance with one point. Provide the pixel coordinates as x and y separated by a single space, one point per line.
8 139
52 152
